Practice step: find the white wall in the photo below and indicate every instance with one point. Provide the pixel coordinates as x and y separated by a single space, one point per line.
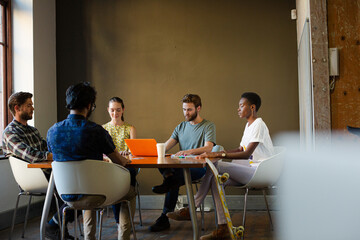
44 48
34 70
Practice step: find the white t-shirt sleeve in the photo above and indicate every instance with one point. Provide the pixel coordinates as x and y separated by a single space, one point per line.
258 133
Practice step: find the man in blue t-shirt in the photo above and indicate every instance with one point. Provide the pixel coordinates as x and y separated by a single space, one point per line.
195 136
76 139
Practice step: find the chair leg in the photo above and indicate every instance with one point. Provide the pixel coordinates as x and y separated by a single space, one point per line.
139 205
216 220
100 225
58 211
202 205
245 199
26 216
268 210
14 216
76 222
131 219
63 223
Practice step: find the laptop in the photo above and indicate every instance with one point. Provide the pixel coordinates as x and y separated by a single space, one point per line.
142 147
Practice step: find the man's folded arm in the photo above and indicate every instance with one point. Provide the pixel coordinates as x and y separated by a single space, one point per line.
15 146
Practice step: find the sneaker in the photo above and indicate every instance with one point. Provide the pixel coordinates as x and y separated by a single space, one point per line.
52 232
182 214
162 223
168 184
221 233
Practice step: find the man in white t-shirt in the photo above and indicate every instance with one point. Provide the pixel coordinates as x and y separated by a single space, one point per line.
255 146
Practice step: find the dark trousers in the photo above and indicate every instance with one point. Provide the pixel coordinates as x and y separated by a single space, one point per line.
172 196
116 207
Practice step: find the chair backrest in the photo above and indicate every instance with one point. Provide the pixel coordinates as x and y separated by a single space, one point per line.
92 177
268 170
354 130
29 179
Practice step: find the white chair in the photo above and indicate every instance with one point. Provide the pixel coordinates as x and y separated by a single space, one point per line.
137 190
265 176
31 182
101 183
354 130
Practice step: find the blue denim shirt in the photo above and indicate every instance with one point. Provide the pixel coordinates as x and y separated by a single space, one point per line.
76 139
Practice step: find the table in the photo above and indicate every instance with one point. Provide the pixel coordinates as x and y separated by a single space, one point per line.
138 162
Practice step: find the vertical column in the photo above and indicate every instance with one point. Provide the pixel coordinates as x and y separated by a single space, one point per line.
320 69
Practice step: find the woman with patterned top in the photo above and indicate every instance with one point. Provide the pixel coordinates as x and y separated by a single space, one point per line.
119 130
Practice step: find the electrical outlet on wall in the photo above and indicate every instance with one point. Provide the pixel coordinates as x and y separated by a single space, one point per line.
334 62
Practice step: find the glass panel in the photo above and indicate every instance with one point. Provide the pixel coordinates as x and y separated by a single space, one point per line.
1 89
2 25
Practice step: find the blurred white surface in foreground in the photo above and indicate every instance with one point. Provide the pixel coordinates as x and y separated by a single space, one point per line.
319 192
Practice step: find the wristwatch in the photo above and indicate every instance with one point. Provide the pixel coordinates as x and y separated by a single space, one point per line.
223 154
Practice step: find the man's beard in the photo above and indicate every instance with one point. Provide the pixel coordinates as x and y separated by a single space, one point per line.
192 117
25 116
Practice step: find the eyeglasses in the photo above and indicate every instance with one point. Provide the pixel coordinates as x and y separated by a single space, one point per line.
93 107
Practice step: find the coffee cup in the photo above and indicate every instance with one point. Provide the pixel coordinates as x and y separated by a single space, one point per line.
160 150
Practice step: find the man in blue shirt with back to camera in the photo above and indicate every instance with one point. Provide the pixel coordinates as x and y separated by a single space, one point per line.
195 136
76 139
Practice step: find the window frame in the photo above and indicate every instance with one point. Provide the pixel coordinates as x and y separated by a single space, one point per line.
7 58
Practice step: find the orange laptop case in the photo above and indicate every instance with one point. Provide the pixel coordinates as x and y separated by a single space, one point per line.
142 147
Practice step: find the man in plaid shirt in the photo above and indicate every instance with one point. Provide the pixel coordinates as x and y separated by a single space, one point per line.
25 142
20 139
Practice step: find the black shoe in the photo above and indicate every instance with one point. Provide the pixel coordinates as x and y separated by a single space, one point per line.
52 232
162 223
168 184
67 235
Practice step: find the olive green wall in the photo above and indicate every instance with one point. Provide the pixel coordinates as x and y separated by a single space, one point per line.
151 53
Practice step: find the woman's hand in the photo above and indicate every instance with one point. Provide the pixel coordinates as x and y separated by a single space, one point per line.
124 153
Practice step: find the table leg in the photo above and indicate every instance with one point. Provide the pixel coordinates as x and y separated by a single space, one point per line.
46 208
190 195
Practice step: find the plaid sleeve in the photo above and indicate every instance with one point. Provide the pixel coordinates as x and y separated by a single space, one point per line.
15 145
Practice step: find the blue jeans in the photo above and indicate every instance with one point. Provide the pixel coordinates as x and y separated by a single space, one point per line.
172 196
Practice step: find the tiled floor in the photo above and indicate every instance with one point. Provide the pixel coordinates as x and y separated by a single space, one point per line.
257 227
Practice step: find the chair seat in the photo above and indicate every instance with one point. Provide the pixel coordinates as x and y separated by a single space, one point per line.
87 202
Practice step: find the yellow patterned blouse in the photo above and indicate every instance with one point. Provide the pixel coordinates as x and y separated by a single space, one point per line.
118 134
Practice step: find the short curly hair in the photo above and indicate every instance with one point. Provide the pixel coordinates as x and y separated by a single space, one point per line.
80 95
192 98
253 98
